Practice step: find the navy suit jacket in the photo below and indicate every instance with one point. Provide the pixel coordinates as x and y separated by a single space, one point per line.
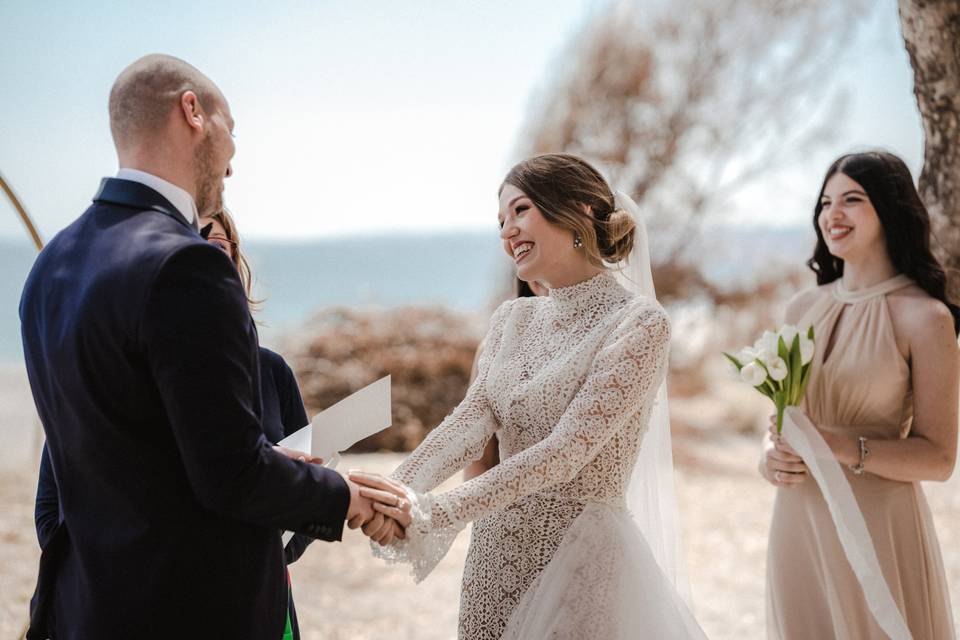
143 362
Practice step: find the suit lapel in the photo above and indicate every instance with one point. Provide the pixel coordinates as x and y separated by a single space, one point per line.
127 193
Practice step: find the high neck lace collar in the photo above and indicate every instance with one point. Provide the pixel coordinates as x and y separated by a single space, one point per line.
603 286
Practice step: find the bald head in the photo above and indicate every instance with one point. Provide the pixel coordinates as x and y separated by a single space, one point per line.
146 92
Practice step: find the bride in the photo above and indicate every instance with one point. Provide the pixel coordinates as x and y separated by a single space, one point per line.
570 381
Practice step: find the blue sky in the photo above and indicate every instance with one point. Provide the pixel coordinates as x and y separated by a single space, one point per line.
354 117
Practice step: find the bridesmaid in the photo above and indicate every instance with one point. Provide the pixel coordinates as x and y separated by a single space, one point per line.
884 396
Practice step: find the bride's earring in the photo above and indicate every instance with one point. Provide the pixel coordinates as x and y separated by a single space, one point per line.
577 241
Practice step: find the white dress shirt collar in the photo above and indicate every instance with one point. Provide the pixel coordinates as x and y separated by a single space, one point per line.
179 198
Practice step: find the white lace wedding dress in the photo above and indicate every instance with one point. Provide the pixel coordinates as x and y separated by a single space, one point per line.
568 381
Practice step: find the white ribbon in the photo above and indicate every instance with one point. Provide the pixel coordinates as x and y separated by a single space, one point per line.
800 434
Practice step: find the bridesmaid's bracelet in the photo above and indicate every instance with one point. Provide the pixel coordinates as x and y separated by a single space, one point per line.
864 452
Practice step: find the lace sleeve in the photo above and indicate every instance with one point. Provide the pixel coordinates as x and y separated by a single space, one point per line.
456 442
461 437
624 377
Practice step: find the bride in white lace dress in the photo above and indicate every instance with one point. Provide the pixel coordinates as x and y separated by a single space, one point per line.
569 381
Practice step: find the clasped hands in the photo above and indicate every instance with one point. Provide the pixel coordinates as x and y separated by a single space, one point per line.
378 505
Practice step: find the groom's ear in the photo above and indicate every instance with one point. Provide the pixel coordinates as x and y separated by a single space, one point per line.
192 111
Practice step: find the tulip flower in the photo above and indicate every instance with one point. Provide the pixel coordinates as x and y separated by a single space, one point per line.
753 374
778 365
777 369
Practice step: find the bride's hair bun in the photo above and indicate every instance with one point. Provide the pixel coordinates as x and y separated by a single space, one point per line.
619 228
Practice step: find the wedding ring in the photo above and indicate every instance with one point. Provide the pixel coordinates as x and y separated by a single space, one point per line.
400 504
776 475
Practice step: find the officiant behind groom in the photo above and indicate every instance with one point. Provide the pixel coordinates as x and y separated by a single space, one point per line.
142 359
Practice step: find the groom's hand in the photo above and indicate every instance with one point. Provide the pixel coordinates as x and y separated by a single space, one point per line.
383 530
388 533
360 510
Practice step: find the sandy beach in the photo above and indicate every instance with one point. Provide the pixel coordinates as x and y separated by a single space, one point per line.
342 592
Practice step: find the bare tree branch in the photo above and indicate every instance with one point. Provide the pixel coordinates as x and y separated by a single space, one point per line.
685 103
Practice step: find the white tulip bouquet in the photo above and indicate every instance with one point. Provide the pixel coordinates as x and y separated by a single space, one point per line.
778 365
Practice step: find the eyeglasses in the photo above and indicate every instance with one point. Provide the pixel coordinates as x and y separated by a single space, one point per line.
227 245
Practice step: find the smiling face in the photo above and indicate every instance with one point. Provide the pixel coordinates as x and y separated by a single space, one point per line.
540 250
850 226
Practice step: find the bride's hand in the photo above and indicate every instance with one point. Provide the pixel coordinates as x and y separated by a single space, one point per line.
389 497
781 466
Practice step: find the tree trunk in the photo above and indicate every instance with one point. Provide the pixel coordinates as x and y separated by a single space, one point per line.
931 32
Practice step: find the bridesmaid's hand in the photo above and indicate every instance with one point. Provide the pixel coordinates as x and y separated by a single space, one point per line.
846 449
302 456
778 440
781 466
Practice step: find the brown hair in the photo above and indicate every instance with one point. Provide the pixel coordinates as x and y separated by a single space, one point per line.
224 217
562 186
523 289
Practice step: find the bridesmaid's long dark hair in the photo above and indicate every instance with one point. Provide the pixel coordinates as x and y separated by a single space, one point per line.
905 222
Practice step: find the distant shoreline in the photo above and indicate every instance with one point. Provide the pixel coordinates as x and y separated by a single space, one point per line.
465 271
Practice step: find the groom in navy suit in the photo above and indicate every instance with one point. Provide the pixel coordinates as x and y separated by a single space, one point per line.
142 358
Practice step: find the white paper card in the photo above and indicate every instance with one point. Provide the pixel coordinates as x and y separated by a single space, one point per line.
354 418
299 440
339 427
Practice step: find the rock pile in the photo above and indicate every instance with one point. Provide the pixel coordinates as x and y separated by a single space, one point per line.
429 352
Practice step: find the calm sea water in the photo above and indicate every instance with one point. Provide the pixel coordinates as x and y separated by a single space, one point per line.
465 271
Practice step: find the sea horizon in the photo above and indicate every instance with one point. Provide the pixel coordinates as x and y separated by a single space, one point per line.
462 270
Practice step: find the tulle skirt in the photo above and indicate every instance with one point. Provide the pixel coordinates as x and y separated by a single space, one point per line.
603 583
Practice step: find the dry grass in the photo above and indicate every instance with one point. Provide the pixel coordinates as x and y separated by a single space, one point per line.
342 592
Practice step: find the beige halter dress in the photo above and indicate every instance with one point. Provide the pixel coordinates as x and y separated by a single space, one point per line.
862 388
